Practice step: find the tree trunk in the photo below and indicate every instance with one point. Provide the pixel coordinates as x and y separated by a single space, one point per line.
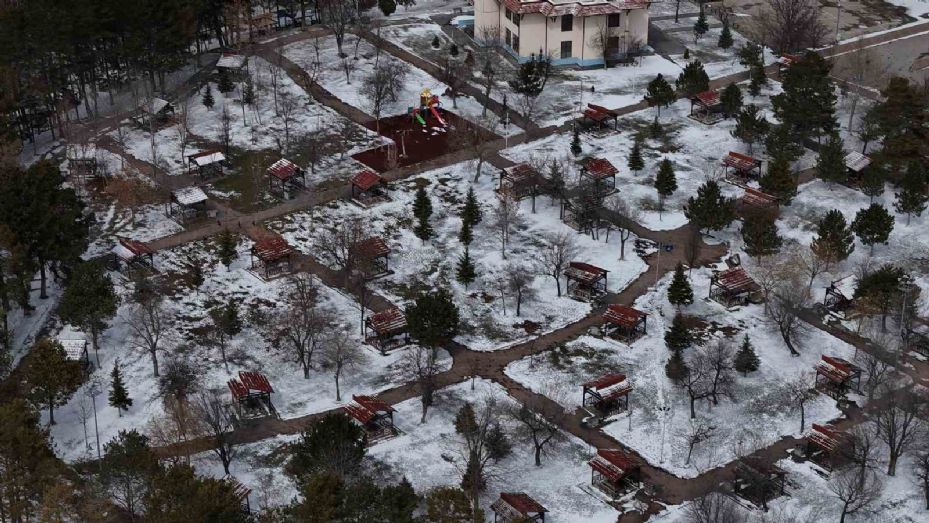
306 368
802 418
422 418
558 285
693 411
154 363
892 463
538 455
43 293
338 393
51 413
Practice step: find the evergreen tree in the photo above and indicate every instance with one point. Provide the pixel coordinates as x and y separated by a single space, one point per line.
422 210
686 54
746 360
388 7
89 301
453 50
731 100
208 100
659 94
576 142
710 210
119 396
725 37
750 126
665 182
465 273
449 505
807 104
224 85
781 144
678 336
779 181
873 225
676 368
178 494
759 233
636 163
750 55
882 290
693 79
436 43
901 120
531 79
830 163
472 210
680 292
226 248
701 26
433 318
872 183
912 196
834 241
333 445
127 470
50 377
248 93
465 236
757 79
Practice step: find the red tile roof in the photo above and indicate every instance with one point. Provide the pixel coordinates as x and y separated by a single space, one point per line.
388 321
600 168
255 381
623 315
584 272
283 169
366 179
272 248
736 280
740 161
371 248
707 98
522 503
371 403
136 247
358 412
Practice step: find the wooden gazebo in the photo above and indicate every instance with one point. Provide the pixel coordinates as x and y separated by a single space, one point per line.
614 472
241 494
272 256
129 253
758 482
837 376
824 444
856 164
585 281
520 181
251 397
755 199
733 286
232 64
602 174
206 163
284 175
372 257
624 322
387 329
375 416
368 188
601 115
741 165
517 507
607 394
706 108
187 203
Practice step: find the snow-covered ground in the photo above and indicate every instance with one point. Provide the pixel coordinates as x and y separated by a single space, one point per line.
914 8
488 321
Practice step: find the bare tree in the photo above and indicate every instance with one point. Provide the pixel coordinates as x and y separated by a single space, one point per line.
714 507
216 426
557 251
341 352
534 427
473 136
482 443
860 446
348 132
182 117
421 365
791 25
797 393
805 260
717 358
147 323
787 301
697 432
277 77
856 490
304 324
506 216
878 371
338 16
600 40
695 383
455 75
338 245
487 81
624 215
287 110
519 280
898 422
383 86
921 471
225 120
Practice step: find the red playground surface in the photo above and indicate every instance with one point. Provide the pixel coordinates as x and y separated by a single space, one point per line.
417 142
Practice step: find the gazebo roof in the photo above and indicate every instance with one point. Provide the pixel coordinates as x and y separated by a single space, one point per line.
283 169
612 463
610 386
739 161
758 198
231 61
189 195
825 437
623 315
371 247
204 158
600 168
371 403
388 321
856 161
584 272
136 247
255 381
366 179
521 503
272 248
707 98
74 347
520 173
736 280
835 369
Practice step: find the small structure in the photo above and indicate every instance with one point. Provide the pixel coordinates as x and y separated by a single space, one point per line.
706 108
601 115
76 350
607 394
786 60
130 253
154 112
602 174
241 493
206 163
916 337
517 506
625 322
581 213
756 199
369 188
742 165
613 472
823 445
758 482
273 256
372 257
187 203
734 287
287 175
520 181
232 64
251 397
586 282
388 330
856 163
82 161
837 376
374 415
836 301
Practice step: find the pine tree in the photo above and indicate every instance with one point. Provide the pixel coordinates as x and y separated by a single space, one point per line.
227 248
710 210
900 121
248 94
465 272
872 183
807 104
750 55
757 79
636 163
208 100
830 163
701 26
50 377
89 301
422 210
119 396
335 434
679 292
659 94
678 336
686 54
224 85
912 196
388 7
472 210
759 233
693 79
665 182
746 360
779 181
436 43
780 143
465 236
453 50
576 142
725 37
873 225
731 99
433 318
676 368
750 126
834 241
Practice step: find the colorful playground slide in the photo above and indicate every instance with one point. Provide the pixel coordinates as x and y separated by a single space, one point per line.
436 115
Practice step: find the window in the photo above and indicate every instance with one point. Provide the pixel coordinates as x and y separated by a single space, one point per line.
566 49
612 43
509 37
509 14
567 23
516 43
612 20
516 19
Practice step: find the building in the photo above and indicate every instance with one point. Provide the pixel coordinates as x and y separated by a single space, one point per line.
572 32
614 472
517 506
373 415
387 329
624 322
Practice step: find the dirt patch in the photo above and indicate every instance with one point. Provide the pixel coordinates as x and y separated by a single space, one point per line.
419 143
530 327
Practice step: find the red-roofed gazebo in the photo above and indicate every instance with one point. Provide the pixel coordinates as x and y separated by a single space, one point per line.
372 256
608 393
387 329
625 322
368 188
272 255
286 174
517 506
733 286
742 165
837 376
613 471
585 281
602 173
251 396
374 415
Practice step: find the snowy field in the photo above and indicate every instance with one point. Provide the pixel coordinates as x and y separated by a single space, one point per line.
755 407
488 317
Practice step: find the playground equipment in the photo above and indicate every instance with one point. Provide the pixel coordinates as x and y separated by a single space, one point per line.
428 103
